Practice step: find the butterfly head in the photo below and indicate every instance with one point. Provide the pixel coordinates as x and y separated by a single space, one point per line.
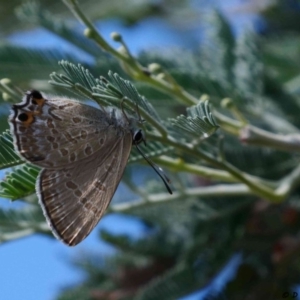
138 136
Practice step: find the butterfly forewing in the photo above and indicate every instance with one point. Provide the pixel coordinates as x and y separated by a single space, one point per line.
59 132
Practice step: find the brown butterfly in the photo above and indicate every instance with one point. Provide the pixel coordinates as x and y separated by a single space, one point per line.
83 152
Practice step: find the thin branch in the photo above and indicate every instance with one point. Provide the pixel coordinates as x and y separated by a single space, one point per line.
131 65
252 135
178 165
5 237
210 191
289 183
257 186
171 87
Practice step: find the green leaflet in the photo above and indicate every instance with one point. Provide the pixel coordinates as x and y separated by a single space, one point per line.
19 183
8 156
199 124
22 222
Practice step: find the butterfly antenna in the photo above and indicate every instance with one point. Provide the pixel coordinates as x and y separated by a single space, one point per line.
160 172
122 108
141 120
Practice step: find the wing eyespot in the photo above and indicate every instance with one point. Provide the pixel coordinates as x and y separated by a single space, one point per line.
23 117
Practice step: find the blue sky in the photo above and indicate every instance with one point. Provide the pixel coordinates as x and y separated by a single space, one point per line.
41 265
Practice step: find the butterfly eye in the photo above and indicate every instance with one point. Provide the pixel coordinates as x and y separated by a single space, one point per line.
138 137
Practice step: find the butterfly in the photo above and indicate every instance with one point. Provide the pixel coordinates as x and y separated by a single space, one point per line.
82 151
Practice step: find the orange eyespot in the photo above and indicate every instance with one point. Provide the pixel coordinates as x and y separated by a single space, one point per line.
26 118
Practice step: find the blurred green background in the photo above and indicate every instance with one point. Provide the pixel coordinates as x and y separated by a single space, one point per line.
245 50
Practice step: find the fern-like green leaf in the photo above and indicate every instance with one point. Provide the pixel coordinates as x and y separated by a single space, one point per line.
116 91
128 90
145 247
175 283
20 223
198 124
8 156
248 69
219 51
19 183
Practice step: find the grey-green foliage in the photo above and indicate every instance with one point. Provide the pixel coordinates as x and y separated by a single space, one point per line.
14 186
111 91
173 284
219 50
18 223
198 124
248 67
36 63
8 157
198 235
32 11
20 182
183 252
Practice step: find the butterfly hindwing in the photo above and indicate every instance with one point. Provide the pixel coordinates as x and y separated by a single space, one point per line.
75 198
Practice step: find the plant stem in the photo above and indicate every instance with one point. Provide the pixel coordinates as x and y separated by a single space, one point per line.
257 186
210 191
172 88
288 183
178 165
251 135
132 65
